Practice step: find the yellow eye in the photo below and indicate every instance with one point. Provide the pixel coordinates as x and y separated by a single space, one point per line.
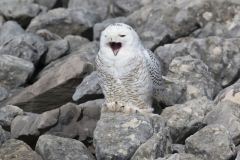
121 35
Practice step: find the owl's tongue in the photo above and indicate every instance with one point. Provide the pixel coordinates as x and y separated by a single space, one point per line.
115 47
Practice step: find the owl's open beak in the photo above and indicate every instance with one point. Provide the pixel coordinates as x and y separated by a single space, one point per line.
115 46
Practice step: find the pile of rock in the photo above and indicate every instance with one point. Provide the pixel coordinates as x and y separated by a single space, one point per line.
50 98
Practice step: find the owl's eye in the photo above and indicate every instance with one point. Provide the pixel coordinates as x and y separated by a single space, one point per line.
122 35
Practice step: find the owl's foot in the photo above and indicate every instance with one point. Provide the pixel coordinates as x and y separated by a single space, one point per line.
112 107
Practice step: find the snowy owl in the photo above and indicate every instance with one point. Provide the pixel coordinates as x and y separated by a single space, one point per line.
129 74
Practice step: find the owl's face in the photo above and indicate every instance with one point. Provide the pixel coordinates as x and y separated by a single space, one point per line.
118 37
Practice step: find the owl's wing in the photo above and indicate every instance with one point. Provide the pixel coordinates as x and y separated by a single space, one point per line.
160 91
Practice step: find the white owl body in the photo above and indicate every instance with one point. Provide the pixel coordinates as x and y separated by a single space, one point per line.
123 69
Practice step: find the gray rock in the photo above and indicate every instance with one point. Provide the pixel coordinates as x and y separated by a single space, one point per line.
99 27
238 156
47 92
211 143
231 93
4 136
118 135
195 75
2 20
64 21
46 3
90 114
219 54
88 88
3 93
48 119
17 150
14 71
67 122
75 42
47 35
100 8
15 41
56 49
7 114
56 148
178 148
185 119
20 11
158 145
181 156
25 125
227 114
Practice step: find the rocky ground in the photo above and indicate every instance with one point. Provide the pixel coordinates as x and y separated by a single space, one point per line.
50 98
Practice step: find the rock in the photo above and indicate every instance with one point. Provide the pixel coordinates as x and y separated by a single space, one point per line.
211 143
75 42
46 3
219 54
90 114
227 114
2 20
185 119
56 49
4 136
17 150
47 92
100 8
88 88
20 11
48 119
88 51
195 75
181 156
67 123
118 135
3 93
99 27
47 35
178 148
16 42
14 71
231 93
157 146
25 127
7 114
56 148
64 21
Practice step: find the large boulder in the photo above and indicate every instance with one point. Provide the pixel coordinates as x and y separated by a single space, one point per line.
16 42
47 92
56 148
186 119
211 143
64 21
118 135
17 150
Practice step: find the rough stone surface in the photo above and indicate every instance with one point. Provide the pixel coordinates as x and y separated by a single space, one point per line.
75 42
185 119
219 54
20 10
46 93
118 135
195 75
47 35
17 150
181 156
56 49
64 21
14 71
90 112
4 136
211 143
46 3
7 114
56 148
88 88
15 41
227 114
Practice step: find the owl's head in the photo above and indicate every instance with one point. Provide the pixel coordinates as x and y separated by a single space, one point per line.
117 37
